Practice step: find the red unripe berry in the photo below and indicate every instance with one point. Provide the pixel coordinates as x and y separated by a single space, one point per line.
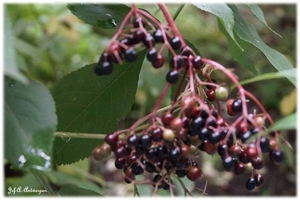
242 126
210 94
187 103
251 151
194 173
167 118
176 124
185 151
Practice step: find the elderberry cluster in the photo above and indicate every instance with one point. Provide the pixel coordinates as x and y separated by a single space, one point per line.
168 144
125 48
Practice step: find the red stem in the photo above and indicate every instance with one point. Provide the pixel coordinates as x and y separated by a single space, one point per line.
171 22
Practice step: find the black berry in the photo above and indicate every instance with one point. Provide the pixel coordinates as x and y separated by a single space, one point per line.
237 105
152 54
175 42
197 62
250 184
158 36
172 76
133 140
130 54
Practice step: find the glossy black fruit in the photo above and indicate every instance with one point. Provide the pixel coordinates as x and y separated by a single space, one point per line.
237 105
172 76
152 54
250 184
130 54
175 42
158 36
197 62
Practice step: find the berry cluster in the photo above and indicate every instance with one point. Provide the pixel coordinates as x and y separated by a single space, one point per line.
167 142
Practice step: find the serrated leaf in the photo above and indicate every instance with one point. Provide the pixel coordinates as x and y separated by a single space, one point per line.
10 59
255 9
30 122
248 33
245 55
286 123
101 15
72 190
87 103
223 12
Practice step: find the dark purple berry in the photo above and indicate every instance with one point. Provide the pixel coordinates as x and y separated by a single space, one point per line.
120 162
172 76
259 179
158 36
149 41
112 139
276 156
176 62
145 141
250 184
158 62
215 137
126 41
245 136
264 144
197 62
149 167
222 149
237 105
152 154
162 152
211 122
175 42
204 133
152 54
138 36
239 168
130 54
175 154
120 152
181 173
243 157
228 163
257 163
133 140
137 168
157 134
186 51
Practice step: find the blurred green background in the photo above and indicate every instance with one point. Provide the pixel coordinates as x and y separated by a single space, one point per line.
51 42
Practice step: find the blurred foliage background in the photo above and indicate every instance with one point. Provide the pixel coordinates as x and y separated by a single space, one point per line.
51 42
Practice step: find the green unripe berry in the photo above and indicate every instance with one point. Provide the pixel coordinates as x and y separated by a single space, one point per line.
221 93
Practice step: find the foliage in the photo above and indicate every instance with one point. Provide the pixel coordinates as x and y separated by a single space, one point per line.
49 55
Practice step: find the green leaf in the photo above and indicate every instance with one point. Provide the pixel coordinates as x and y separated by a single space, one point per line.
10 59
87 103
286 123
72 190
291 73
100 15
260 15
30 122
245 55
223 12
248 33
